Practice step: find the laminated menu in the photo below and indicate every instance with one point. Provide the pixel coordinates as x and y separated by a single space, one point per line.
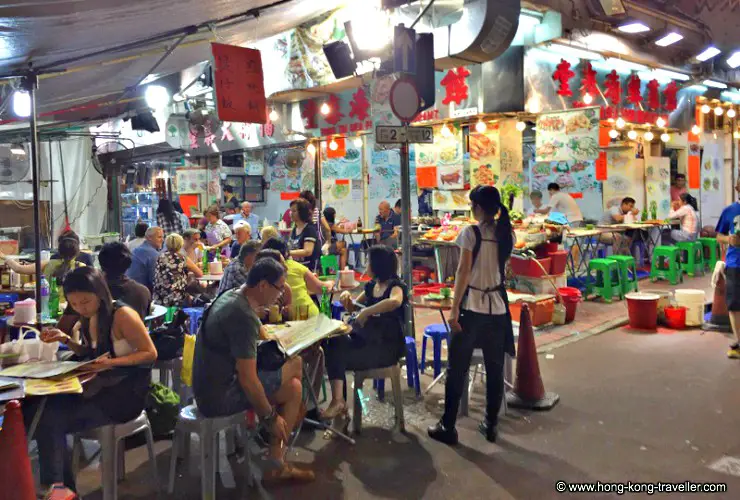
296 336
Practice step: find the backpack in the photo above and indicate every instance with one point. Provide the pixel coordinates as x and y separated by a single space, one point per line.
169 338
162 409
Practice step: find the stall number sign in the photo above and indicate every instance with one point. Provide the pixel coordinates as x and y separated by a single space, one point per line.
386 134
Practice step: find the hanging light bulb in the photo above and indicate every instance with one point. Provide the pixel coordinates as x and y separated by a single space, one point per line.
357 142
446 132
696 130
274 116
731 113
311 149
714 135
480 127
665 137
620 122
21 103
325 109
660 122
520 126
649 136
333 145
719 111
632 135
587 98
706 109
736 134
614 133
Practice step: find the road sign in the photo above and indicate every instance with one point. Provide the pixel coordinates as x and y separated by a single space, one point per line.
404 49
405 100
388 134
420 135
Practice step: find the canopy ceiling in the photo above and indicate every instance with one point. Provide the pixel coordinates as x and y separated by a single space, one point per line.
50 34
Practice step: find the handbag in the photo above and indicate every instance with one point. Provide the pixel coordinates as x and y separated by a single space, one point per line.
270 357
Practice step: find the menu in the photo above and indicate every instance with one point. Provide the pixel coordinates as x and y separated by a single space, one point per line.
568 135
294 337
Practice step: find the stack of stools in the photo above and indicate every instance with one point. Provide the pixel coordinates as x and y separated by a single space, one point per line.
666 265
627 272
710 250
607 280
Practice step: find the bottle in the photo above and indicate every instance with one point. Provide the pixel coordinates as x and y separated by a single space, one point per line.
44 298
205 262
359 223
325 308
644 216
54 299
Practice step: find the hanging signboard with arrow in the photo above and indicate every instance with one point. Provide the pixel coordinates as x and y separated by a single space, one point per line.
404 50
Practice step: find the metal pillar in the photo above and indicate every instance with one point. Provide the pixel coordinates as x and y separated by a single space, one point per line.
406 232
29 84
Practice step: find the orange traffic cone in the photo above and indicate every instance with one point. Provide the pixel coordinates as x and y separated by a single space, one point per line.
16 466
529 391
720 318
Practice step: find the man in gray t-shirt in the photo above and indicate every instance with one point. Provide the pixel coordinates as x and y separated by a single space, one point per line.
616 215
225 376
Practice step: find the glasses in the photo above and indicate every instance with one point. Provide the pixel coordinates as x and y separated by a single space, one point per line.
279 289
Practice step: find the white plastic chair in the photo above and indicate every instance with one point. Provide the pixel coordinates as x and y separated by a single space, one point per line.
391 372
477 363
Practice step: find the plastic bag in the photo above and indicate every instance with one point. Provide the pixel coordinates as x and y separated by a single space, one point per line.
30 349
188 353
162 408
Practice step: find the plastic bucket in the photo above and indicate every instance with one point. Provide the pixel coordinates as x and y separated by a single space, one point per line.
675 317
558 261
571 298
643 310
663 302
545 249
693 301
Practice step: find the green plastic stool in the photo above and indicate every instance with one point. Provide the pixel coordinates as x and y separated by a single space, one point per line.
329 265
626 266
711 252
666 265
607 282
694 262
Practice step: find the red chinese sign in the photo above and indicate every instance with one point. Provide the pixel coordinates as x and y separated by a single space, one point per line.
359 105
562 75
634 92
653 100
456 86
308 112
613 86
335 110
239 82
589 85
669 92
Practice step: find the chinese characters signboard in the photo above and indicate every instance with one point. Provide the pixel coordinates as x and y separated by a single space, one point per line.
240 90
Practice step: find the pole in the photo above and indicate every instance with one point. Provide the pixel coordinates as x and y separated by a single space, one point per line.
406 232
51 200
30 82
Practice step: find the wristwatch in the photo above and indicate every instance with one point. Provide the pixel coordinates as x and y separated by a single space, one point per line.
269 419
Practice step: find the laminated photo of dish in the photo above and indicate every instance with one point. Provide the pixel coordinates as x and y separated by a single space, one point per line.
552 123
450 177
565 181
619 183
450 154
577 123
715 183
425 156
584 148
549 150
708 165
484 175
707 184
665 205
340 191
482 145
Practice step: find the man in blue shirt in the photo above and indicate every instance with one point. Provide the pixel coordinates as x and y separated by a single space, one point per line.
247 216
728 228
387 223
144 258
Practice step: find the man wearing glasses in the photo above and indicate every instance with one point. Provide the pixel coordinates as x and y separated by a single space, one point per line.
226 380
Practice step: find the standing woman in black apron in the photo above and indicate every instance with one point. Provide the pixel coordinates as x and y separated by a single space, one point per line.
480 316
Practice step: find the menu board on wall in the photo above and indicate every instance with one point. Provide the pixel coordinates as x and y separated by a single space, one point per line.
573 177
712 185
511 157
658 186
625 177
341 180
191 180
289 170
568 135
451 200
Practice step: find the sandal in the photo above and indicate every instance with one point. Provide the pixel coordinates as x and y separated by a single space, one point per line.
334 411
288 474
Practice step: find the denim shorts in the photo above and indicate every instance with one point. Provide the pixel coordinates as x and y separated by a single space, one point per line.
234 399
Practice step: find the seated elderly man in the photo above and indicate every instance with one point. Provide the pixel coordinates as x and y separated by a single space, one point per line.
235 274
243 233
144 258
616 215
226 380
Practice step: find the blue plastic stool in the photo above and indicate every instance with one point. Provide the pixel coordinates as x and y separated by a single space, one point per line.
412 365
195 314
437 332
336 310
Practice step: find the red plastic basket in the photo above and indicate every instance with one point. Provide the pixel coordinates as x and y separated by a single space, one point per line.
528 267
558 262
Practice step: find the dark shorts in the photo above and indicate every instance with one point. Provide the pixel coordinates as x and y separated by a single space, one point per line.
234 400
732 288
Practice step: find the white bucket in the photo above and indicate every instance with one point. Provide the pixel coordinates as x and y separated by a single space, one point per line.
693 301
663 302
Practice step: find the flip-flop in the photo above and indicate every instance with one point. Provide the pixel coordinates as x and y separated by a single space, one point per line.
288 474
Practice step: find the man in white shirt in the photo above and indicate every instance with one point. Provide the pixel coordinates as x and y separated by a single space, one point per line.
563 203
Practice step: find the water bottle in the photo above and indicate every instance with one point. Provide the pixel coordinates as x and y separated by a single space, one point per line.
54 299
44 298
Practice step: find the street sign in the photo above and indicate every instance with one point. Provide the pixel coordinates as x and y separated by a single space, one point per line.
404 49
388 134
420 135
405 100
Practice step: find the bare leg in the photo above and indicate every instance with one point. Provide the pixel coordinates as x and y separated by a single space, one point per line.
288 399
735 322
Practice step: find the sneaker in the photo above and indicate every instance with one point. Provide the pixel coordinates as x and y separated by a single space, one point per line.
489 431
440 433
734 352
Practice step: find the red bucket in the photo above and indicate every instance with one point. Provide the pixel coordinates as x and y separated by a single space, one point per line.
545 249
643 310
558 261
571 298
675 317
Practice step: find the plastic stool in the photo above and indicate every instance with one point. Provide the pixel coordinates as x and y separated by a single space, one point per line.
394 373
666 265
437 332
711 252
195 314
336 310
412 365
694 261
607 282
191 421
626 266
